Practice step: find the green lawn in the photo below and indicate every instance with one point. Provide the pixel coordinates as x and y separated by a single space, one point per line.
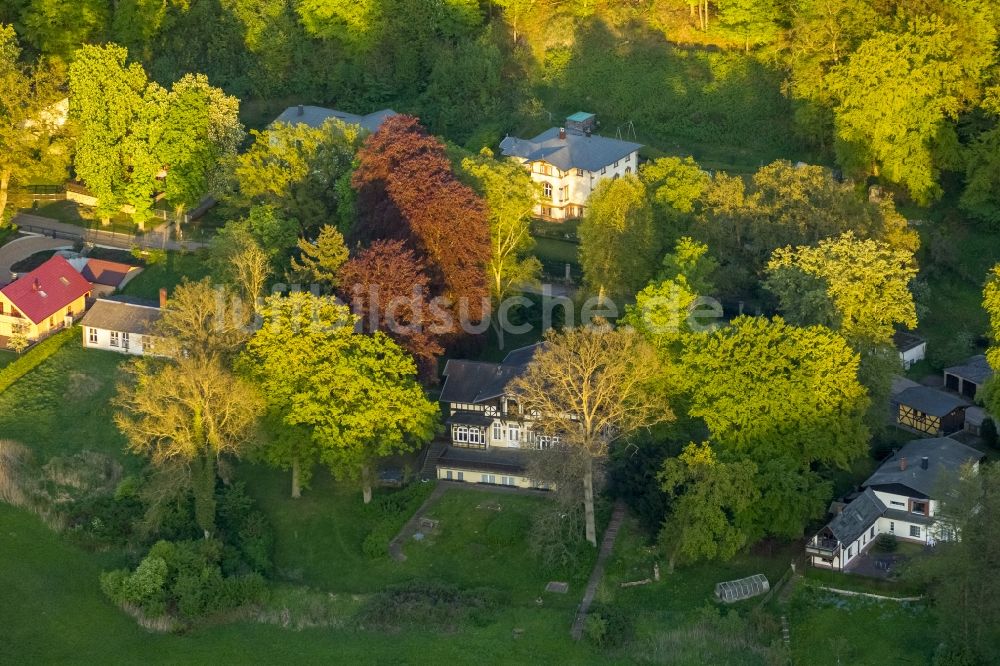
62 406
828 629
71 212
554 250
168 273
60 616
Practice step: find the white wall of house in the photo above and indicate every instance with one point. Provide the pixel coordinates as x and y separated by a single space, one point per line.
565 193
911 356
482 476
116 341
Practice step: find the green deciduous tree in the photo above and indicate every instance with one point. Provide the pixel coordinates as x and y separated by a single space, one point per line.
296 168
752 22
899 93
59 27
785 397
510 197
866 284
981 196
348 399
618 242
708 499
31 139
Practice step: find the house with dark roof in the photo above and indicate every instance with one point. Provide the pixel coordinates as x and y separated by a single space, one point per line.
569 161
969 376
899 498
121 325
911 347
929 411
315 116
43 301
487 429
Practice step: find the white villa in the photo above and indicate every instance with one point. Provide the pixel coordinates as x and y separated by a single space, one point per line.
569 162
897 499
487 427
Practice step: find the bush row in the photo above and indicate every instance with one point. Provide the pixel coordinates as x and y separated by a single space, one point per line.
35 356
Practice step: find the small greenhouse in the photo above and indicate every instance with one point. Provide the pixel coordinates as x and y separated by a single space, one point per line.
744 588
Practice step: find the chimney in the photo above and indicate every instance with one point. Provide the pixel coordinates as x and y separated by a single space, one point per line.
302 110
562 133
902 464
36 285
925 462
163 297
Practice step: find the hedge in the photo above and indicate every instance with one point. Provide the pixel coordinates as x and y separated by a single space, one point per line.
34 357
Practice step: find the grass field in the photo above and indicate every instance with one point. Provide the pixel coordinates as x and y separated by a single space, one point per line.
827 630
168 273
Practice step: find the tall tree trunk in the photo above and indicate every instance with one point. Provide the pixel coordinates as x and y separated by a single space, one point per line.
4 185
296 482
204 494
366 483
588 501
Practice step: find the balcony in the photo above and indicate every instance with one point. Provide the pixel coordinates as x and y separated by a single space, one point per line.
823 547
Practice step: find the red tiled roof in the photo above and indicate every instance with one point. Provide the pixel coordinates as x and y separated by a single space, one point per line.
46 290
109 273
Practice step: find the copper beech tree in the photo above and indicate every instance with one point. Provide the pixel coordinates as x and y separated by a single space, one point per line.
408 191
591 387
387 287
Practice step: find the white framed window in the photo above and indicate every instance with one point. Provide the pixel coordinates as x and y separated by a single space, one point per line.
616 163
897 503
514 434
547 190
604 169
92 335
491 410
115 341
447 474
579 172
850 552
506 480
124 340
497 431
915 531
892 527
488 478
871 532
147 343
461 476
462 434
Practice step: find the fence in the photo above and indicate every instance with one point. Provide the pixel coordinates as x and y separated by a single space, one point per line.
46 192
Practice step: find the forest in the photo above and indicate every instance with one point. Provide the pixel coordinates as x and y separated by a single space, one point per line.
902 91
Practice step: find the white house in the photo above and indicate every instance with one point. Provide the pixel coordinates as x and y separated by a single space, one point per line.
569 162
897 499
912 348
315 116
120 325
487 428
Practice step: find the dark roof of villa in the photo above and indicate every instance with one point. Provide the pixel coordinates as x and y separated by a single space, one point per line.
930 400
492 460
974 369
574 150
943 454
474 382
848 525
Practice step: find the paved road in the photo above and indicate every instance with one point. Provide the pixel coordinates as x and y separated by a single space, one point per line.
24 247
607 545
158 238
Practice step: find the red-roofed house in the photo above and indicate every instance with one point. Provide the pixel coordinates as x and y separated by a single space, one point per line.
39 302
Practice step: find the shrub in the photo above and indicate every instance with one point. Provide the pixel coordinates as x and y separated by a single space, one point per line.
35 357
246 529
886 543
608 626
388 513
429 605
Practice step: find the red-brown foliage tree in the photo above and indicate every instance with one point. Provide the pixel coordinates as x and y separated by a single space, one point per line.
388 287
408 191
